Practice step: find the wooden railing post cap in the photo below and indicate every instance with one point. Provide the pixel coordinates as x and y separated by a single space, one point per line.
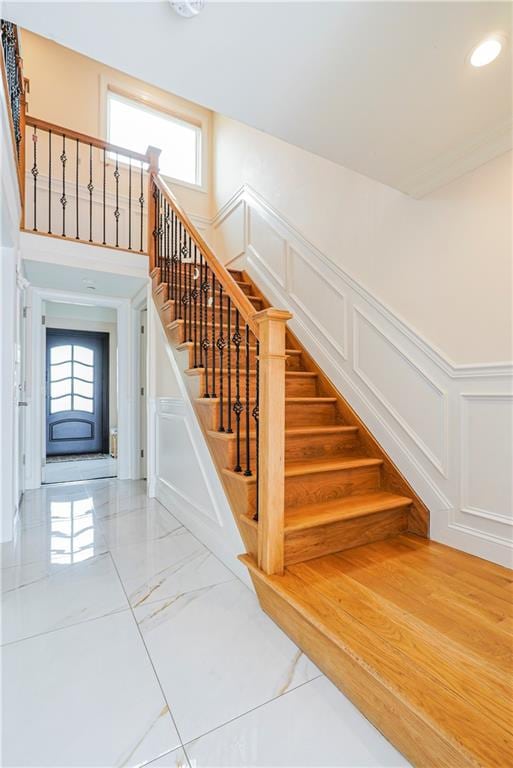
271 313
153 154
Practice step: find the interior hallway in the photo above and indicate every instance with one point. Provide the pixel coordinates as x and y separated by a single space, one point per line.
125 642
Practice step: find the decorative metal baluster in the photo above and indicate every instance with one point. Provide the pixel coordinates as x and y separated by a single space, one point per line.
203 361
76 191
116 209
213 321
194 296
221 343
167 218
141 204
189 267
179 295
171 259
247 471
229 350
256 414
35 174
104 182
49 182
237 406
176 264
64 200
129 203
90 187
205 343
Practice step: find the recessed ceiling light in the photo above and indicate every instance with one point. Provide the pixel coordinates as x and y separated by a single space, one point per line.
486 52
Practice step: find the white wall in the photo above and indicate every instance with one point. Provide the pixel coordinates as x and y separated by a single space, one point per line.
442 264
449 428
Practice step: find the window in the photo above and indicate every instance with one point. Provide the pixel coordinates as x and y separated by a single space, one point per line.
71 378
134 125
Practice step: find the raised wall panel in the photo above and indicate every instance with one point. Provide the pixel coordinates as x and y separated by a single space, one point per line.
410 396
178 465
230 234
320 298
487 456
268 246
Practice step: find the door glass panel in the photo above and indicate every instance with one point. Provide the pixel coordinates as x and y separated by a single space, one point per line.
83 355
60 354
61 404
83 371
59 388
83 388
82 404
62 371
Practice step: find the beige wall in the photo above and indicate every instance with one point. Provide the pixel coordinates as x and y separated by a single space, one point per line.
443 264
67 88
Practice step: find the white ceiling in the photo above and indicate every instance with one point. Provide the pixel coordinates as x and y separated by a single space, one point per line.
44 274
384 88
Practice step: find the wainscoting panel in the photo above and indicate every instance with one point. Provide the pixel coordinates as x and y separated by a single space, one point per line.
447 427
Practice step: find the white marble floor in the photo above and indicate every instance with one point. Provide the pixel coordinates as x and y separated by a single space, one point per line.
125 642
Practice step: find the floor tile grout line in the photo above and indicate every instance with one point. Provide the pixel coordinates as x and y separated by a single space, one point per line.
249 711
149 657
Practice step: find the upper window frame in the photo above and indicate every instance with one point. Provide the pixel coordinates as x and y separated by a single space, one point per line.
151 103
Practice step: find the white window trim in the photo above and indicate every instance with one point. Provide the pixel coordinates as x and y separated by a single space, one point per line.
156 103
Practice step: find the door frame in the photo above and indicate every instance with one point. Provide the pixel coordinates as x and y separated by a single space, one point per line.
104 339
127 378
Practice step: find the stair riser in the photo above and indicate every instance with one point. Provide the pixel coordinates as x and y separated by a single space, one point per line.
296 447
344 534
326 486
293 362
295 386
318 414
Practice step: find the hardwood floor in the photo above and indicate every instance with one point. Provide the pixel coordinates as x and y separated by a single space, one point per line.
419 636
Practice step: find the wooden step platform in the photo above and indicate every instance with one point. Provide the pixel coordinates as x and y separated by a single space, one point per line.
418 635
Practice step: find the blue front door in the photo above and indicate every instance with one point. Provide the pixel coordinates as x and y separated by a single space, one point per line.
76 392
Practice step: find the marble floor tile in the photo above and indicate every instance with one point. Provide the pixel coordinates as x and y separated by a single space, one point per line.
168 567
41 597
217 655
83 696
134 502
175 759
314 726
146 524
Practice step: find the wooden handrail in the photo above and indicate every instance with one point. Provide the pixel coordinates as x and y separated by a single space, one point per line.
236 294
83 138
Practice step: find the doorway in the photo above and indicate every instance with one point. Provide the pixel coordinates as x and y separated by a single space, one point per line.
77 393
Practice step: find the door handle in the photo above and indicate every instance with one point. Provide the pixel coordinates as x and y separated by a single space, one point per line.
22 402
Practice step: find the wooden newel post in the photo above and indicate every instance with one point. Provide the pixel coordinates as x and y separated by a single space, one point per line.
153 155
271 464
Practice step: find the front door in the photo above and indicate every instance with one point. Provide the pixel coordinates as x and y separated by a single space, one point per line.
76 392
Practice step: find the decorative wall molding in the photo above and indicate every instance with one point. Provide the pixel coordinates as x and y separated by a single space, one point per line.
420 405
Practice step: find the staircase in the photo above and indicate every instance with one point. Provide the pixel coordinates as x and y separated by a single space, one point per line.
341 490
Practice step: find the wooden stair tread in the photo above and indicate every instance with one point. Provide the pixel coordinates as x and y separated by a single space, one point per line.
292 431
439 702
346 508
295 468
189 345
288 400
252 372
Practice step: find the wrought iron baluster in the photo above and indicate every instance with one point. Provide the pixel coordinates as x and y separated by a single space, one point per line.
90 187
141 207
64 200
116 209
189 268
247 471
229 350
213 321
205 343
237 406
104 183
180 269
176 264
49 182
256 415
167 218
129 203
35 174
171 258
221 343
195 300
76 191
203 361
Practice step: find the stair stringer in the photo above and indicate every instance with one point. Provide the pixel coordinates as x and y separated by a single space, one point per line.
221 535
